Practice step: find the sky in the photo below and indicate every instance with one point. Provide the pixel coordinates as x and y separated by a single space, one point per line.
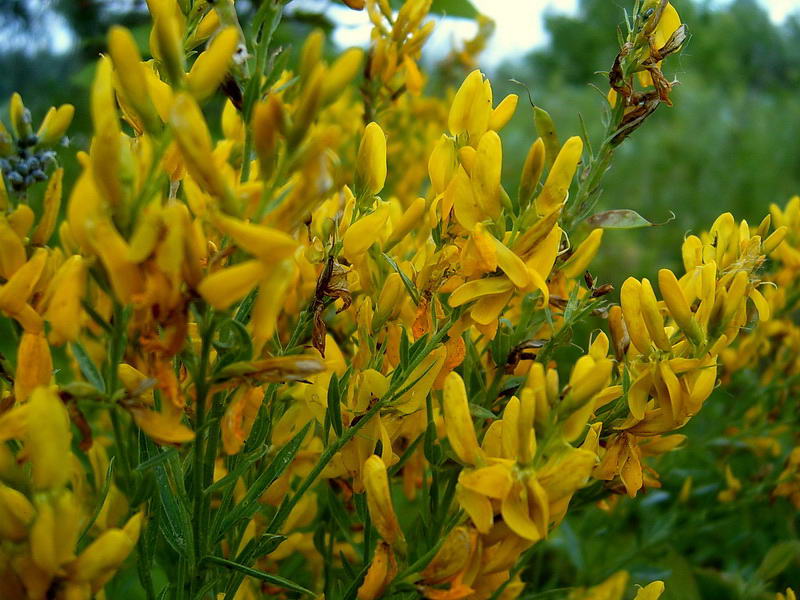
519 24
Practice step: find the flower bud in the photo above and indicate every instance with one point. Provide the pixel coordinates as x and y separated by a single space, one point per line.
55 125
131 75
341 73
371 162
486 174
379 501
652 316
48 440
212 66
442 164
458 421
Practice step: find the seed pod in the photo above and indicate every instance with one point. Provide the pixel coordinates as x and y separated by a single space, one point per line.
531 173
547 131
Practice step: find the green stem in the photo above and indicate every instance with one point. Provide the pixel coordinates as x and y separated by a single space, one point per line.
201 384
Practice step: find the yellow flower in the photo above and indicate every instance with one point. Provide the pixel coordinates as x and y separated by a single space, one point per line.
379 501
371 161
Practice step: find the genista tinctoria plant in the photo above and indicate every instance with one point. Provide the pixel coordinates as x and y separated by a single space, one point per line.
316 355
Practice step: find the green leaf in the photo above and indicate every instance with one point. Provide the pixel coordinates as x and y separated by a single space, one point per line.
779 557
476 410
622 219
174 522
87 367
248 506
334 405
273 579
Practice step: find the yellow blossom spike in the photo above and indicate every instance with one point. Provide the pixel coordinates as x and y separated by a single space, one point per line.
460 431
212 66
371 162
379 501
554 192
